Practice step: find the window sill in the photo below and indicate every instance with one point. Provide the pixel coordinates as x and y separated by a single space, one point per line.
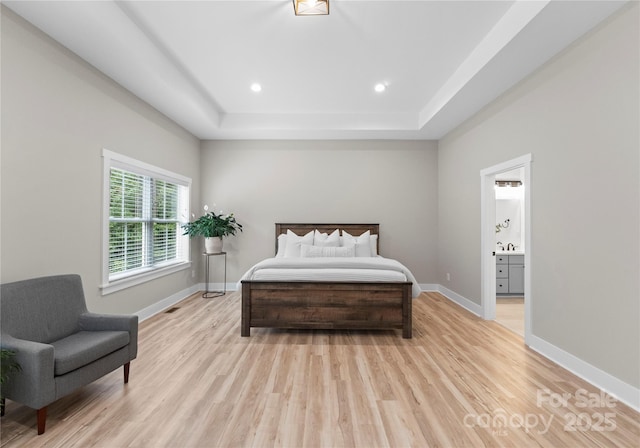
143 277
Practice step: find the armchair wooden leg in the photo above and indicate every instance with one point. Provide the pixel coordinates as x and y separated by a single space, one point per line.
42 419
126 373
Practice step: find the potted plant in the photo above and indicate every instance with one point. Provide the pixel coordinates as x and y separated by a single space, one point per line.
7 367
212 227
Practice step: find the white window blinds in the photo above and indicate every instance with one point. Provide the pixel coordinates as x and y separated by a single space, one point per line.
145 213
126 221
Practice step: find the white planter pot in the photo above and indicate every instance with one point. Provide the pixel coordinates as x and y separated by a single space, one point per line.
213 245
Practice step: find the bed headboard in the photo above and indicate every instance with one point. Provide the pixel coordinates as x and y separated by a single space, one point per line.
302 229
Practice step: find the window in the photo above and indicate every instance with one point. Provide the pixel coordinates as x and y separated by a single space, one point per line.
144 208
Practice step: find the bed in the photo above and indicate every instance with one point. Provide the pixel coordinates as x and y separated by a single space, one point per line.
340 303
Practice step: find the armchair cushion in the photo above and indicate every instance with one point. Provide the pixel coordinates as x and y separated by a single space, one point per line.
84 347
110 322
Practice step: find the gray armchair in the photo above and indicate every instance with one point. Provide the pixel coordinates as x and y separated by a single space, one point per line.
59 345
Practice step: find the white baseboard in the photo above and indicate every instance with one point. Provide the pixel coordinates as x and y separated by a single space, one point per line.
163 304
428 286
618 389
168 302
613 386
462 301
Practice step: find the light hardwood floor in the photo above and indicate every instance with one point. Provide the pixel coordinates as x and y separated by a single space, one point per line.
510 313
460 382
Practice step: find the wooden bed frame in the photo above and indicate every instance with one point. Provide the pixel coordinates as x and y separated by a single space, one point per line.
326 304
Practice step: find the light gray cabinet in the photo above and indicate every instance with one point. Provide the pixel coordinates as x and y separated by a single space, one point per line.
510 274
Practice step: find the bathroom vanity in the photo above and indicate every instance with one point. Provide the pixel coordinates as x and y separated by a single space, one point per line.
510 273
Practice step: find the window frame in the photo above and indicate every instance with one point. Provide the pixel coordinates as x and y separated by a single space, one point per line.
135 277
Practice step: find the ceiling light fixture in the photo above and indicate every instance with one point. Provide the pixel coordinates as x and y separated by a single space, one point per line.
311 7
256 87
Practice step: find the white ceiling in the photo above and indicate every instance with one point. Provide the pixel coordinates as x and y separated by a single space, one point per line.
194 61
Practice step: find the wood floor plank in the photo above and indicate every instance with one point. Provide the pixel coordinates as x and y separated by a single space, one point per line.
459 382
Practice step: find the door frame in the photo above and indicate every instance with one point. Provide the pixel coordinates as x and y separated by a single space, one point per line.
488 238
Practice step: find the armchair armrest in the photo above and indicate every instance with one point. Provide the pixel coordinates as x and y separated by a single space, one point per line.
34 385
112 322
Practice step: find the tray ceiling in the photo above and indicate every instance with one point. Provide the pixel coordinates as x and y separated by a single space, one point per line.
195 61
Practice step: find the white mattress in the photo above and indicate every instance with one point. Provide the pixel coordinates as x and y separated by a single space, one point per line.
339 275
366 269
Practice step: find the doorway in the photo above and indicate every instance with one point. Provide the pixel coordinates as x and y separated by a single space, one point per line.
510 249
492 255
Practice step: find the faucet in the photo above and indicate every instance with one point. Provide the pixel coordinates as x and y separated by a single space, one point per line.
499 244
510 245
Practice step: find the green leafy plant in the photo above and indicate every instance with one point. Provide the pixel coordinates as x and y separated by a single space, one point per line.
7 366
211 225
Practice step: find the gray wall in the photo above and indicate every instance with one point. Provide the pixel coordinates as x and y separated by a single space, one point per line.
393 183
57 115
578 117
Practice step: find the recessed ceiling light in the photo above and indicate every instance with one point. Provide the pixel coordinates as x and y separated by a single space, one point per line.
380 87
256 87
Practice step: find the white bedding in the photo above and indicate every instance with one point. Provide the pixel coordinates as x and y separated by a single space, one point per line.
367 269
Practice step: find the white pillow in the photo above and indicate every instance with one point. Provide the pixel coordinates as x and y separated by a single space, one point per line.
373 239
362 243
292 249
282 244
326 251
324 240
